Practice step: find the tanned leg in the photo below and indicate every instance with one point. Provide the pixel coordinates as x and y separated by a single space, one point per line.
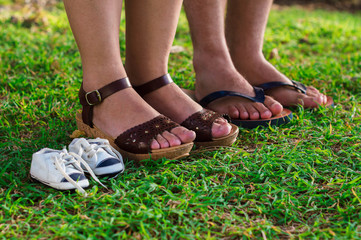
245 27
213 64
95 25
148 43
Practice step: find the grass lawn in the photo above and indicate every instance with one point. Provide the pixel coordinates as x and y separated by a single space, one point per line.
301 180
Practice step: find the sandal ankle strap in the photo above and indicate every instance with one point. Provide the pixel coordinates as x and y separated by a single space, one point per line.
153 85
89 99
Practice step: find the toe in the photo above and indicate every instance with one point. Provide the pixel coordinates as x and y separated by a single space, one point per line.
274 106
314 93
320 98
325 100
313 90
253 113
264 112
220 129
221 120
172 139
154 144
185 135
162 141
243 114
233 112
308 102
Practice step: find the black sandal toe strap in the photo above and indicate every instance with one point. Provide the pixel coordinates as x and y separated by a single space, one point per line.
221 94
296 85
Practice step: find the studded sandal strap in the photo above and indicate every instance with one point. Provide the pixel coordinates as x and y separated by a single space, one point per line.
138 138
153 85
201 122
89 99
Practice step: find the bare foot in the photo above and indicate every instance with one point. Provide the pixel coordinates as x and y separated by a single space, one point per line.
172 102
215 73
126 109
259 71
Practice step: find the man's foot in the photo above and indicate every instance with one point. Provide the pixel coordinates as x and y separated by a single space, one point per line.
216 73
126 109
259 71
172 102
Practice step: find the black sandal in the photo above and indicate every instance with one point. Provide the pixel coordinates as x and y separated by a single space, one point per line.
296 86
284 117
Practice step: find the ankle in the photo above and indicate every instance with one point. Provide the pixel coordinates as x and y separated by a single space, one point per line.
219 60
247 58
249 62
258 71
97 77
142 73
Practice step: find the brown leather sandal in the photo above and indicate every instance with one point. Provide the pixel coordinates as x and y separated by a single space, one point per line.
200 122
134 143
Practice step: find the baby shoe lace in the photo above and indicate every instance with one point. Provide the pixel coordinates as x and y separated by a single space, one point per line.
95 145
69 159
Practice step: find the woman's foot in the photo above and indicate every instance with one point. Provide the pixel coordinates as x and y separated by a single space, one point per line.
172 102
215 73
258 71
126 109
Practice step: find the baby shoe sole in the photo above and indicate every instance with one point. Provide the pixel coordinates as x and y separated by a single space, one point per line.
64 185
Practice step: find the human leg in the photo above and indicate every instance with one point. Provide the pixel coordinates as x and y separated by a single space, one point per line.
149 39
213 64
245 27
95 25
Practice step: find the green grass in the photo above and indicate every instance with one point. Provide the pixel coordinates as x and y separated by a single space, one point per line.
301 180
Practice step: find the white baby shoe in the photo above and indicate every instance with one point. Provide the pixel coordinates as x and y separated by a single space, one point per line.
58 169
101 157
62 170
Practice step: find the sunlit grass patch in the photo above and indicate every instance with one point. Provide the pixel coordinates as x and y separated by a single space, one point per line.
301 180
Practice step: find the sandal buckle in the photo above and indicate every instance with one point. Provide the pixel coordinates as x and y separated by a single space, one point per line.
98 95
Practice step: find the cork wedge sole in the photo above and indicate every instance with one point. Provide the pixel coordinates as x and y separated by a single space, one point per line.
169 153
225 141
